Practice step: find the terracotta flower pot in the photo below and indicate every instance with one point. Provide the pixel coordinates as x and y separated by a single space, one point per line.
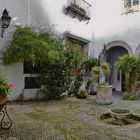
3 100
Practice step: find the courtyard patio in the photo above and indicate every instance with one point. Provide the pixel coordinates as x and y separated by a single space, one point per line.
68 119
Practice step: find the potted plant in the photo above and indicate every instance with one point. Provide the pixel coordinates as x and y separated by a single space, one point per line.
104 90
5 89
82 94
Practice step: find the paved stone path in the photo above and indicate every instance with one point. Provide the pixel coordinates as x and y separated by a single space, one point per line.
68 119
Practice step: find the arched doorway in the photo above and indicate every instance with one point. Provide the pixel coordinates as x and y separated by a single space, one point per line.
116 78
114 50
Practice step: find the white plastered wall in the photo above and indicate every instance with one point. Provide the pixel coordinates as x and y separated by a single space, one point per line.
42 13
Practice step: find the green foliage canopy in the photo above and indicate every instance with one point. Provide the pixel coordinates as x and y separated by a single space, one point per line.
127 63
28 45
56 56
130 66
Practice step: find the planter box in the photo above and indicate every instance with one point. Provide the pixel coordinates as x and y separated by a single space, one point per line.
104 95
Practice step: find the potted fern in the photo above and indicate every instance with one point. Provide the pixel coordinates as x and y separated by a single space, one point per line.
130 67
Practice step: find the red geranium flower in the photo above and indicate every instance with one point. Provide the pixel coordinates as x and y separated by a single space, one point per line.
11 85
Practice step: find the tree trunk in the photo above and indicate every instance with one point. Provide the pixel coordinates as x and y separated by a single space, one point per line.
134 81
127 82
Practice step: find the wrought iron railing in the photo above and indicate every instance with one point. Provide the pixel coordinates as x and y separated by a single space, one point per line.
81 5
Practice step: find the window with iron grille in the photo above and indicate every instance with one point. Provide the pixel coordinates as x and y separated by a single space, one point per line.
32 82
130 6
31 68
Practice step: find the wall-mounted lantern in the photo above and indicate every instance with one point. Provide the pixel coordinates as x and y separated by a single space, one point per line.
5 21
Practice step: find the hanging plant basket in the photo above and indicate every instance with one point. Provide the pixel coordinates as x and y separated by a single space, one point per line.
82 94
95 70
105 66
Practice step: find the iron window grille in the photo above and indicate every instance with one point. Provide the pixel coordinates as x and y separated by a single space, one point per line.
130 6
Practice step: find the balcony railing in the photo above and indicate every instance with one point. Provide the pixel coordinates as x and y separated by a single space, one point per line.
79 7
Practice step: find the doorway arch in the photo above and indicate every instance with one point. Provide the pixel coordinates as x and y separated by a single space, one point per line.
114 50
119 43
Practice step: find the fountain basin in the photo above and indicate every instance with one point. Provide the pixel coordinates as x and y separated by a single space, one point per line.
120 117
120 113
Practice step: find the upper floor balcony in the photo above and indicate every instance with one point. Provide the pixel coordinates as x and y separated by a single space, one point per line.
79 8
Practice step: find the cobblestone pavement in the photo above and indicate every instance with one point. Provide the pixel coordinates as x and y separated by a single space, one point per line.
68 119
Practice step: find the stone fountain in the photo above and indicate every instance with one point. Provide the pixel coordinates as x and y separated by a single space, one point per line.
120 117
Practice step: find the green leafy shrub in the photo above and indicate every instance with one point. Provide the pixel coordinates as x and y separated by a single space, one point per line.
127 63
77 82
75 60
129 96
63 74
25 45
5 88
61 65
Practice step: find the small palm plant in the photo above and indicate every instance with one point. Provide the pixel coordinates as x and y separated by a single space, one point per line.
130 66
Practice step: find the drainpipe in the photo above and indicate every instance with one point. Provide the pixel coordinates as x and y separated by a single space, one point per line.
28 12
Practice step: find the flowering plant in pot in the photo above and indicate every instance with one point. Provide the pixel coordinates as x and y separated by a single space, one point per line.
5 89
104 90
82 94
